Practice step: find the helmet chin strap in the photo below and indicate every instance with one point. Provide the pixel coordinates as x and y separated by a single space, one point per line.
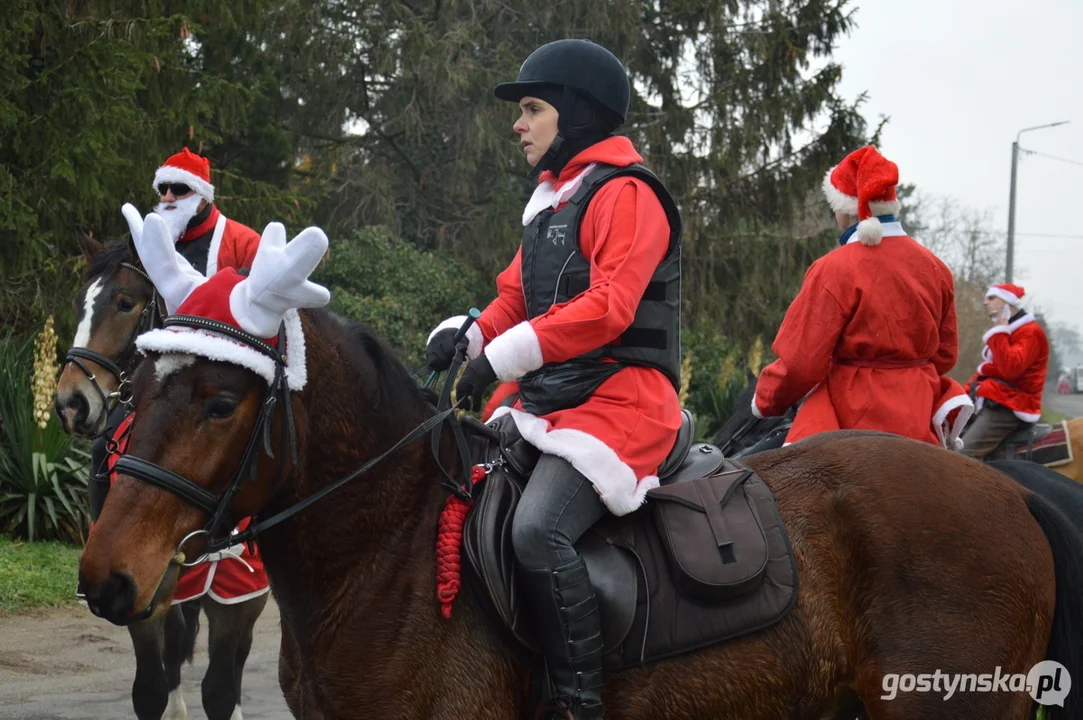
572 137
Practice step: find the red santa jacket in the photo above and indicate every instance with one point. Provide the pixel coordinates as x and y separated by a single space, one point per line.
866 343
232 244
623 432
1015 360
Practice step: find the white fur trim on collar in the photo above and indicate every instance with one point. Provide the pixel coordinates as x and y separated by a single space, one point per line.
221 349
838 200
1006 329
170 174
545 196
614 480
515 352
474 339
216 244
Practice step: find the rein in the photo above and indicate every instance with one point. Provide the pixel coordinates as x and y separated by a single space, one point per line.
278 393
148 320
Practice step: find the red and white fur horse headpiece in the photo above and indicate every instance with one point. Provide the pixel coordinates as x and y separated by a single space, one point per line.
275 288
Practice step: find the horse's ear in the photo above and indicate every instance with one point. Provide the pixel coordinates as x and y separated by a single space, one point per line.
90 247
750 376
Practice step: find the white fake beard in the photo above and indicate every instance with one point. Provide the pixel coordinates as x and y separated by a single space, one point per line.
177 218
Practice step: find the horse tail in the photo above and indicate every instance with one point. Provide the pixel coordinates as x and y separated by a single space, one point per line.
1066 638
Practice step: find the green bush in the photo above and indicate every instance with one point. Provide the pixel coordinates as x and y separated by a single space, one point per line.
398 290
43 471
720 370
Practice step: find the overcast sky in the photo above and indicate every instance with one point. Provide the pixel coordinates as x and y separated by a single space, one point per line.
959 79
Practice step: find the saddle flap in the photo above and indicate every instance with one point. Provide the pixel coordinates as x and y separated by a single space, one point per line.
712 534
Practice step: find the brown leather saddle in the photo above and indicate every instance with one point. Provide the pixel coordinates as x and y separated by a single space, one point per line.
705 559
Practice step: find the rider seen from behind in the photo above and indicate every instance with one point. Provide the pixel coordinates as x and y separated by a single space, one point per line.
870 336
1010 379
587 320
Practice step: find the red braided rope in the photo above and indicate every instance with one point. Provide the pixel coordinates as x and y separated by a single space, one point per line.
449 541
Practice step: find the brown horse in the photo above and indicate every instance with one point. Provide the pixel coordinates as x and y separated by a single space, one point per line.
115 303
911 560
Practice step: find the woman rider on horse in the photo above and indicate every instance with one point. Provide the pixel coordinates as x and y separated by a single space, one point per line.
587 320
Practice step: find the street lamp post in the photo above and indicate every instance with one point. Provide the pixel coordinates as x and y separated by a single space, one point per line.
1011 202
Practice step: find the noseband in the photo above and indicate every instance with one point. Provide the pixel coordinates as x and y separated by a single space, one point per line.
148 320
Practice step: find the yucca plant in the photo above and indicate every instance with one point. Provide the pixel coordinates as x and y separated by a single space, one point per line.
43 471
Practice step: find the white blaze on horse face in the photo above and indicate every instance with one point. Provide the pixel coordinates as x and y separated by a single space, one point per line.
170 363
82 333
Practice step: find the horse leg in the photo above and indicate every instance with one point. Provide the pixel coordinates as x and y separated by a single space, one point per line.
230 638
150 690
252 609
181 628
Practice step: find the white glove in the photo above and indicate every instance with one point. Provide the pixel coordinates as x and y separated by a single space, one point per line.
172 275
135 221
278 280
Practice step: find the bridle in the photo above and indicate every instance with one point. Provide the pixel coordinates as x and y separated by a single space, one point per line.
277 395
150 318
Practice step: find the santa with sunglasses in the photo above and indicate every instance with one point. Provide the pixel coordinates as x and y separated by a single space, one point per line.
204 236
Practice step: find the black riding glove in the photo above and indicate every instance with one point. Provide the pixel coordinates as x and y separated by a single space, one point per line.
441 349
478 376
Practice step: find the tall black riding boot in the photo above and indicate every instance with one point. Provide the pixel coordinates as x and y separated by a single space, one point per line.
569 631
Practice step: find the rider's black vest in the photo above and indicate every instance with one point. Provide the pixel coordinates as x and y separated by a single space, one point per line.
555 271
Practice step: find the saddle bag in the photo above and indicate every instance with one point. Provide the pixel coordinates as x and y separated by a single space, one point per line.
712 534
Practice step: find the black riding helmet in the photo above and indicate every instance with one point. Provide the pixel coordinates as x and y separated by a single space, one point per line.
587 85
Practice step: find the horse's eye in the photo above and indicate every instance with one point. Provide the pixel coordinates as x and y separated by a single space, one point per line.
125 305
221 409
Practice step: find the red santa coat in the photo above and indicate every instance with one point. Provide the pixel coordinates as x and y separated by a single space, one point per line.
1014 364
867 340
232 244
620 435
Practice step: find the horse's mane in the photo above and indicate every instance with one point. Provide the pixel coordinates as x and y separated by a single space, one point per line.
394 383
108 261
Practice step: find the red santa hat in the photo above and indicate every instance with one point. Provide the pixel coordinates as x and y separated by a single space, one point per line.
188 168
863 184
1011 294
258 304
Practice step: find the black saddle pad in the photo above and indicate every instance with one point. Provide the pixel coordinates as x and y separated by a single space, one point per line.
646 610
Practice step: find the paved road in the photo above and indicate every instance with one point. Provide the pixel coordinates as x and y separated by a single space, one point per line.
65 663
1070 406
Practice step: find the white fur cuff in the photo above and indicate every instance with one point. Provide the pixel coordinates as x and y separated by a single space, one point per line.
474 339
515 353
756 409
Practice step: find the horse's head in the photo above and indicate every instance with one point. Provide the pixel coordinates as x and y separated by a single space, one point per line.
214 394
115 303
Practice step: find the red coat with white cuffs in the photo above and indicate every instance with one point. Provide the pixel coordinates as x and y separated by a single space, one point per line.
623 432
866 344
1015 360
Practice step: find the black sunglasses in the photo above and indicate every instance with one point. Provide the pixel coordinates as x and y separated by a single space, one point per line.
177 188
